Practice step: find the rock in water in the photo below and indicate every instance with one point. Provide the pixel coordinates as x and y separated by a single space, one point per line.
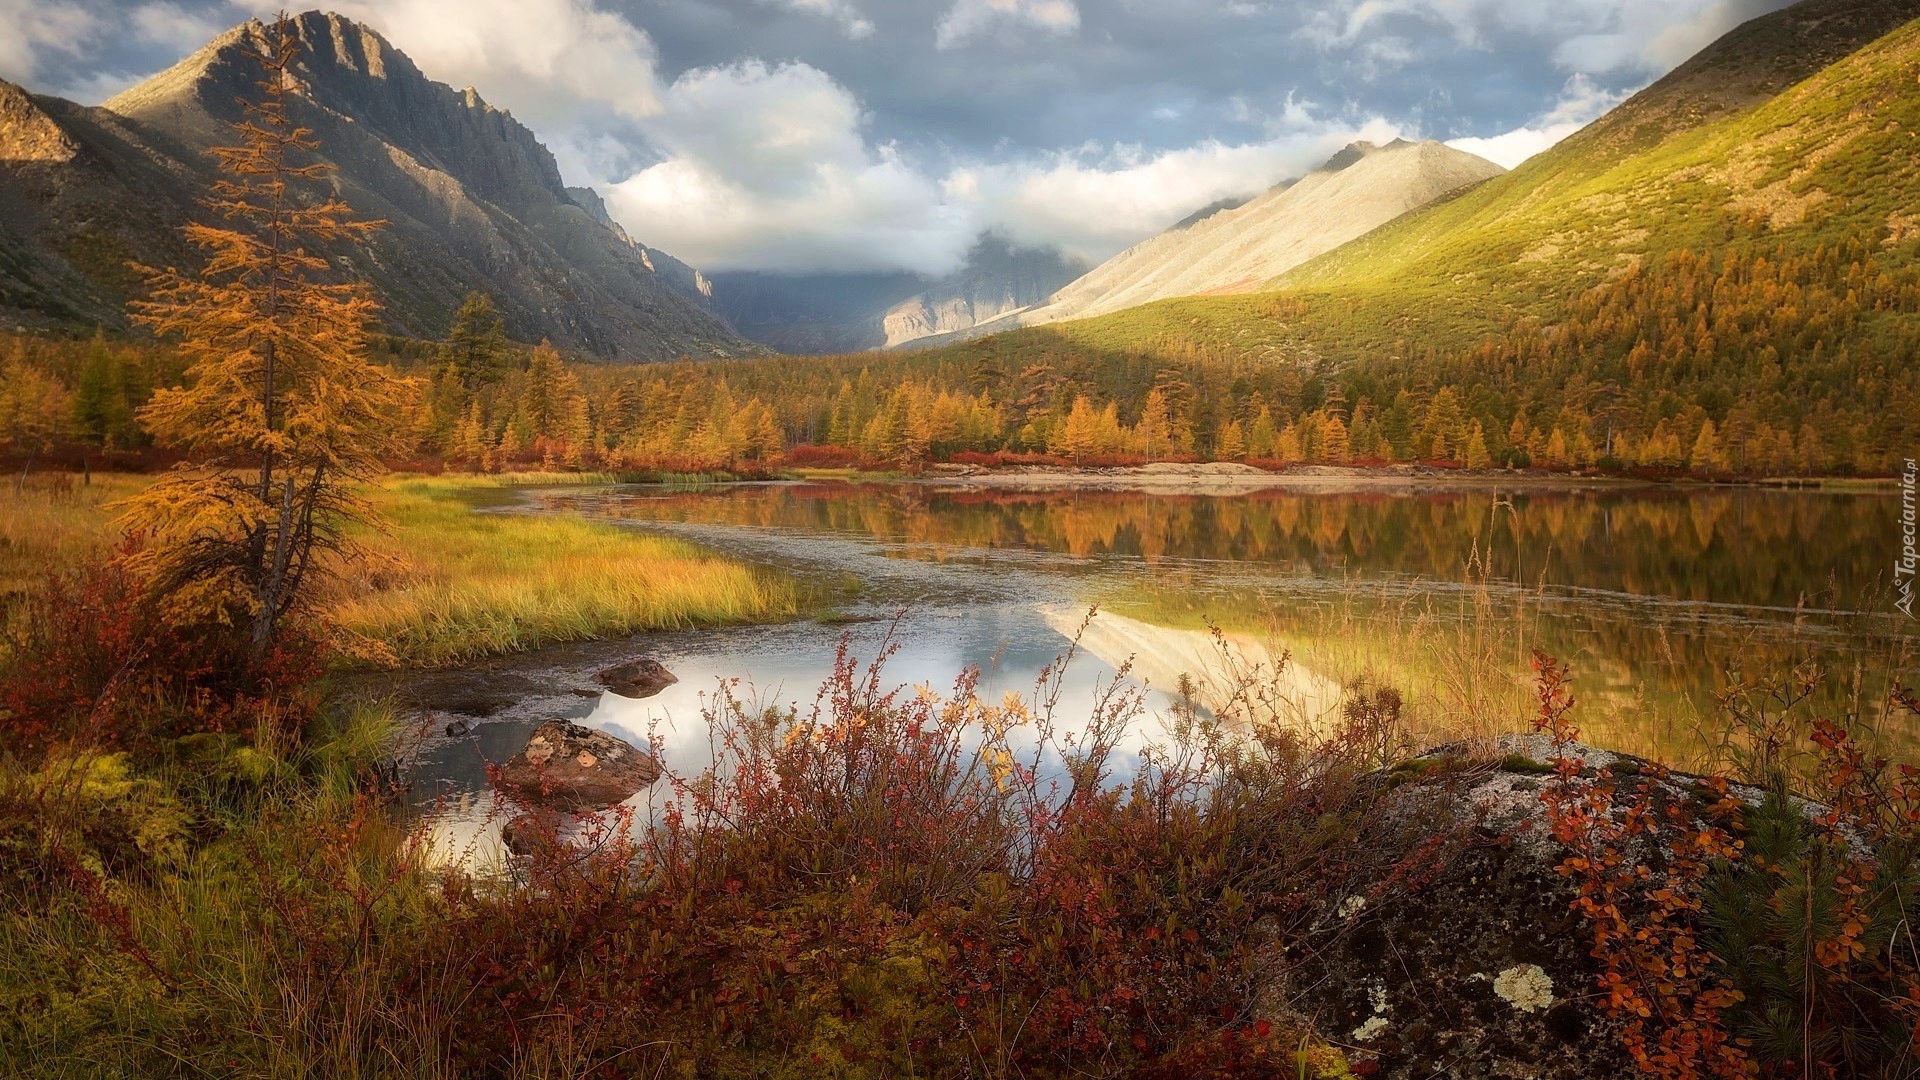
531 833
576 770
640 678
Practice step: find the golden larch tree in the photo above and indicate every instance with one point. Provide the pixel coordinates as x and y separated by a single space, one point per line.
281 413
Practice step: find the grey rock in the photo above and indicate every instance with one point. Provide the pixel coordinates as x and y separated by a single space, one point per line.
1407 963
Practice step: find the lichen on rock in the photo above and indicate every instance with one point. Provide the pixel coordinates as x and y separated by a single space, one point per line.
1526 987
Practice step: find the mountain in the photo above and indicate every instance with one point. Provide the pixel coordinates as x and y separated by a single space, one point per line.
813 314
1724 274
471 198
1236 249
840 313
1791 133
1748 123
997 281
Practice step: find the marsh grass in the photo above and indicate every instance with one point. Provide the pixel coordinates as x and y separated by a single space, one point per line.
456 583
56 521
228 908
837 895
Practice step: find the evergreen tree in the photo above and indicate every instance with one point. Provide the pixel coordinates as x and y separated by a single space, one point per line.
1231 445
102 415
34 407
544 396
1155 428
1335 447
1476 453
1706 450
477 345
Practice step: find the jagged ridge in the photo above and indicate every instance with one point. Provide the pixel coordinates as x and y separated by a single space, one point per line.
473 200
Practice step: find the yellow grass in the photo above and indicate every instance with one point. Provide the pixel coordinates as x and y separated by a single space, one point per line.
56 521
457 584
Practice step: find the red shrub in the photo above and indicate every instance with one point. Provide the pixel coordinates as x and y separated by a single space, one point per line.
91 660
890 883
823 456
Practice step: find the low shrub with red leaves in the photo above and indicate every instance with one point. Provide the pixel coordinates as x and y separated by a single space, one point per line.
90 660
906 883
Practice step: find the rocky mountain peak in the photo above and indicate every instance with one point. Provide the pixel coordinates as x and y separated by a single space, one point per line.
349 72
470 198
1358 150
27 133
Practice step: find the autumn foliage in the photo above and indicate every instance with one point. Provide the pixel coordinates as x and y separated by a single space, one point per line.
281 411
1762 936
906 883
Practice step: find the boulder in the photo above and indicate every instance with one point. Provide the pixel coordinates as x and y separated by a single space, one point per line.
640 678
530 833
576 770
1468 960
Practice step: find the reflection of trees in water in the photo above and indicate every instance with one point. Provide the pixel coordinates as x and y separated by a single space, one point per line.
1391 576
1647 673
1744 547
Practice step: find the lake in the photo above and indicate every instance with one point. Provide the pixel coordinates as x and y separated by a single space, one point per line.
1659 597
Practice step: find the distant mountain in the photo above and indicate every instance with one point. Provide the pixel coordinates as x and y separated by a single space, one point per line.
812 314
1227 248
840 313
997 281
1724 272
471 197
1793 131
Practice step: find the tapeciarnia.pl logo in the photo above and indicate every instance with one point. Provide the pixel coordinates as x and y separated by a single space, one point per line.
1903 567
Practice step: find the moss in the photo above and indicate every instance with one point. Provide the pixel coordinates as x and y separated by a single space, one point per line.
1318 1061
1412 770
1524 765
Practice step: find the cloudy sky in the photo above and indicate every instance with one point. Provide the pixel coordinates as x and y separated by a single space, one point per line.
810 135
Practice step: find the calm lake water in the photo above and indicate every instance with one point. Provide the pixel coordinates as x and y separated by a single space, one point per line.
1658 597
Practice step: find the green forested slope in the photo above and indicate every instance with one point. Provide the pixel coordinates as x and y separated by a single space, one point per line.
1693 257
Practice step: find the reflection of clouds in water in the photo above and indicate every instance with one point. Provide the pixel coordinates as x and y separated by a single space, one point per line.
1161 655
786 667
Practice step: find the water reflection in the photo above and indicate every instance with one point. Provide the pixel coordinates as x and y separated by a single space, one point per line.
784 667
1740 546
1654 593
1657 596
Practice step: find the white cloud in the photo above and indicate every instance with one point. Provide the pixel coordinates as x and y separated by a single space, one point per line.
770 168
856 26
175 27
43 41
968 19
1581 103
540 58
31 31
1673 44
1584 36
1094 206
